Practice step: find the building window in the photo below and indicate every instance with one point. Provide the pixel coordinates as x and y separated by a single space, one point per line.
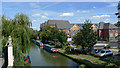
111 35
110 30
73 35
73 31
116 30
116 34
95 30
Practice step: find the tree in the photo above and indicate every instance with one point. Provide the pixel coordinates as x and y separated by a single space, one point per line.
86 37
19 29
117 24
62 37
53 34
45 34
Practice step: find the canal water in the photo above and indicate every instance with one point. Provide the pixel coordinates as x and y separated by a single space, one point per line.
41 57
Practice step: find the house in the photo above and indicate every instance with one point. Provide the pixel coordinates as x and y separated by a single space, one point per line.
59 24
75 28
107 31
70 29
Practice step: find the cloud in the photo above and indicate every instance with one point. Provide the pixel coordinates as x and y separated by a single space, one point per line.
94 7
36 14
113 5
83 11
44 17
67 14
97 17
107 20
34 5
34 21
80 19
46 14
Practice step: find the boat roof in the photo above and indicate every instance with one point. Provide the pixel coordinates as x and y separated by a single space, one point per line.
50 45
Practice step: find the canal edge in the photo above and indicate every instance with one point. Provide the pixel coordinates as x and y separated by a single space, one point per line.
81 61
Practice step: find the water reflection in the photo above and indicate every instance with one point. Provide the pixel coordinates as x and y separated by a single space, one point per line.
41 57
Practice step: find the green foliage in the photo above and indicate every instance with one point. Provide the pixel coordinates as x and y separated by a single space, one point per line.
108 46
45 34
68 48
86 37
21 33
53 34
82 66
33 33
117 24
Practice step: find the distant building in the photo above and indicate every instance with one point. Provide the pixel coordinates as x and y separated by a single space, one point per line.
59 24
75 28
107 31
70 29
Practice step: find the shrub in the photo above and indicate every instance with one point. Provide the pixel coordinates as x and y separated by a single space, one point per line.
82 66
108 46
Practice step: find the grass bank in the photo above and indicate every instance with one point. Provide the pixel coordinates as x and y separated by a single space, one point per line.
86 62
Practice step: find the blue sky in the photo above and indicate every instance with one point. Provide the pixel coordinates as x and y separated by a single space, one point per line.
75 12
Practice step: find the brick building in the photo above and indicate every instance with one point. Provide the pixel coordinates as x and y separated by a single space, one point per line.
75 28
59 24
107 31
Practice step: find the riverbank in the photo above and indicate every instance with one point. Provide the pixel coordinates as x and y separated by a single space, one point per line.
82 59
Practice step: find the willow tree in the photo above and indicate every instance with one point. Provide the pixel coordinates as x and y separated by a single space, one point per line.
19 29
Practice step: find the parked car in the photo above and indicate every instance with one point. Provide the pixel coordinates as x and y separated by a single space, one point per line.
81 49
95 51
104 53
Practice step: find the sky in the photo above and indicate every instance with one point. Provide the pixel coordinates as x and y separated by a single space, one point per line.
74 12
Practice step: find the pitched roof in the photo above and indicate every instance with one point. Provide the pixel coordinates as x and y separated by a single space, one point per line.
79 25
61 24
103 25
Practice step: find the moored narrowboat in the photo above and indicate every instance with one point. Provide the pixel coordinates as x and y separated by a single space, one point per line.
50 48
38 43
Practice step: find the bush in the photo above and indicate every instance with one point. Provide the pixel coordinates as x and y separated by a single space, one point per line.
78 46
108 46
82 66
68 48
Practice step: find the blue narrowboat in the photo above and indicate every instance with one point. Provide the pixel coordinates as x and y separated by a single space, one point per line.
38 43
50 48
27 59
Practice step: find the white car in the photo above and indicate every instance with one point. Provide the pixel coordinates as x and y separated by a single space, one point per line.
104 53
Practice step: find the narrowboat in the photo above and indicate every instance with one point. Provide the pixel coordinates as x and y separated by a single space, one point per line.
34 41
50 48
27 59
38 43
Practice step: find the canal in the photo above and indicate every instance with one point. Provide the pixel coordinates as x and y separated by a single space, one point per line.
41 57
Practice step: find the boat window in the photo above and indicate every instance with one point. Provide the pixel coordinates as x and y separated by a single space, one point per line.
102 51
108 51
